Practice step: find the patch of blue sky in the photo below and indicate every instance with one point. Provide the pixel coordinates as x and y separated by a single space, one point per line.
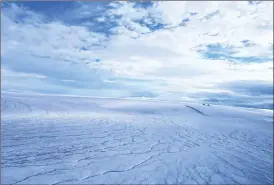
17 15
218 56
151 24
50 9
144 4
93 16
219 47
72 13
218 51
93 24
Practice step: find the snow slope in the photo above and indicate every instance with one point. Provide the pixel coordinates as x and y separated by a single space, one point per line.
73 140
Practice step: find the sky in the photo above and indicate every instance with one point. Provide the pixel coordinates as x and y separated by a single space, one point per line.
217 52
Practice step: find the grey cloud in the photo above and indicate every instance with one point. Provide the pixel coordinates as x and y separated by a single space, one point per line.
254 88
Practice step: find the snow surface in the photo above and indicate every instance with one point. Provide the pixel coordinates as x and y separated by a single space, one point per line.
73 140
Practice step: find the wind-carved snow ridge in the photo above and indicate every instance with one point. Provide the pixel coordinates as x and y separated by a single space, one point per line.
73 140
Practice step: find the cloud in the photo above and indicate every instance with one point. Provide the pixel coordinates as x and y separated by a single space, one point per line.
235 99
161 50
143 94
254 88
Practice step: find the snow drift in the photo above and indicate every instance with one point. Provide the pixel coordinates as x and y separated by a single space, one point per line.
73 140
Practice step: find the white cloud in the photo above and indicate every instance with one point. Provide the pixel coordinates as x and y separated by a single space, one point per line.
5 73
136 50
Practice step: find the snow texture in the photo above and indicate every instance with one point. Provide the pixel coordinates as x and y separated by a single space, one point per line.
81 140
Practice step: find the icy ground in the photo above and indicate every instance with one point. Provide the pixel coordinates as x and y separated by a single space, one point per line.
73 140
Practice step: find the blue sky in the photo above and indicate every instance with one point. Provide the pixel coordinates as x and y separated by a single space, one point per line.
218 52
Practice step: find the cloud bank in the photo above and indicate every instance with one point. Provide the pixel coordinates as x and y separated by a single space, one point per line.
218 52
